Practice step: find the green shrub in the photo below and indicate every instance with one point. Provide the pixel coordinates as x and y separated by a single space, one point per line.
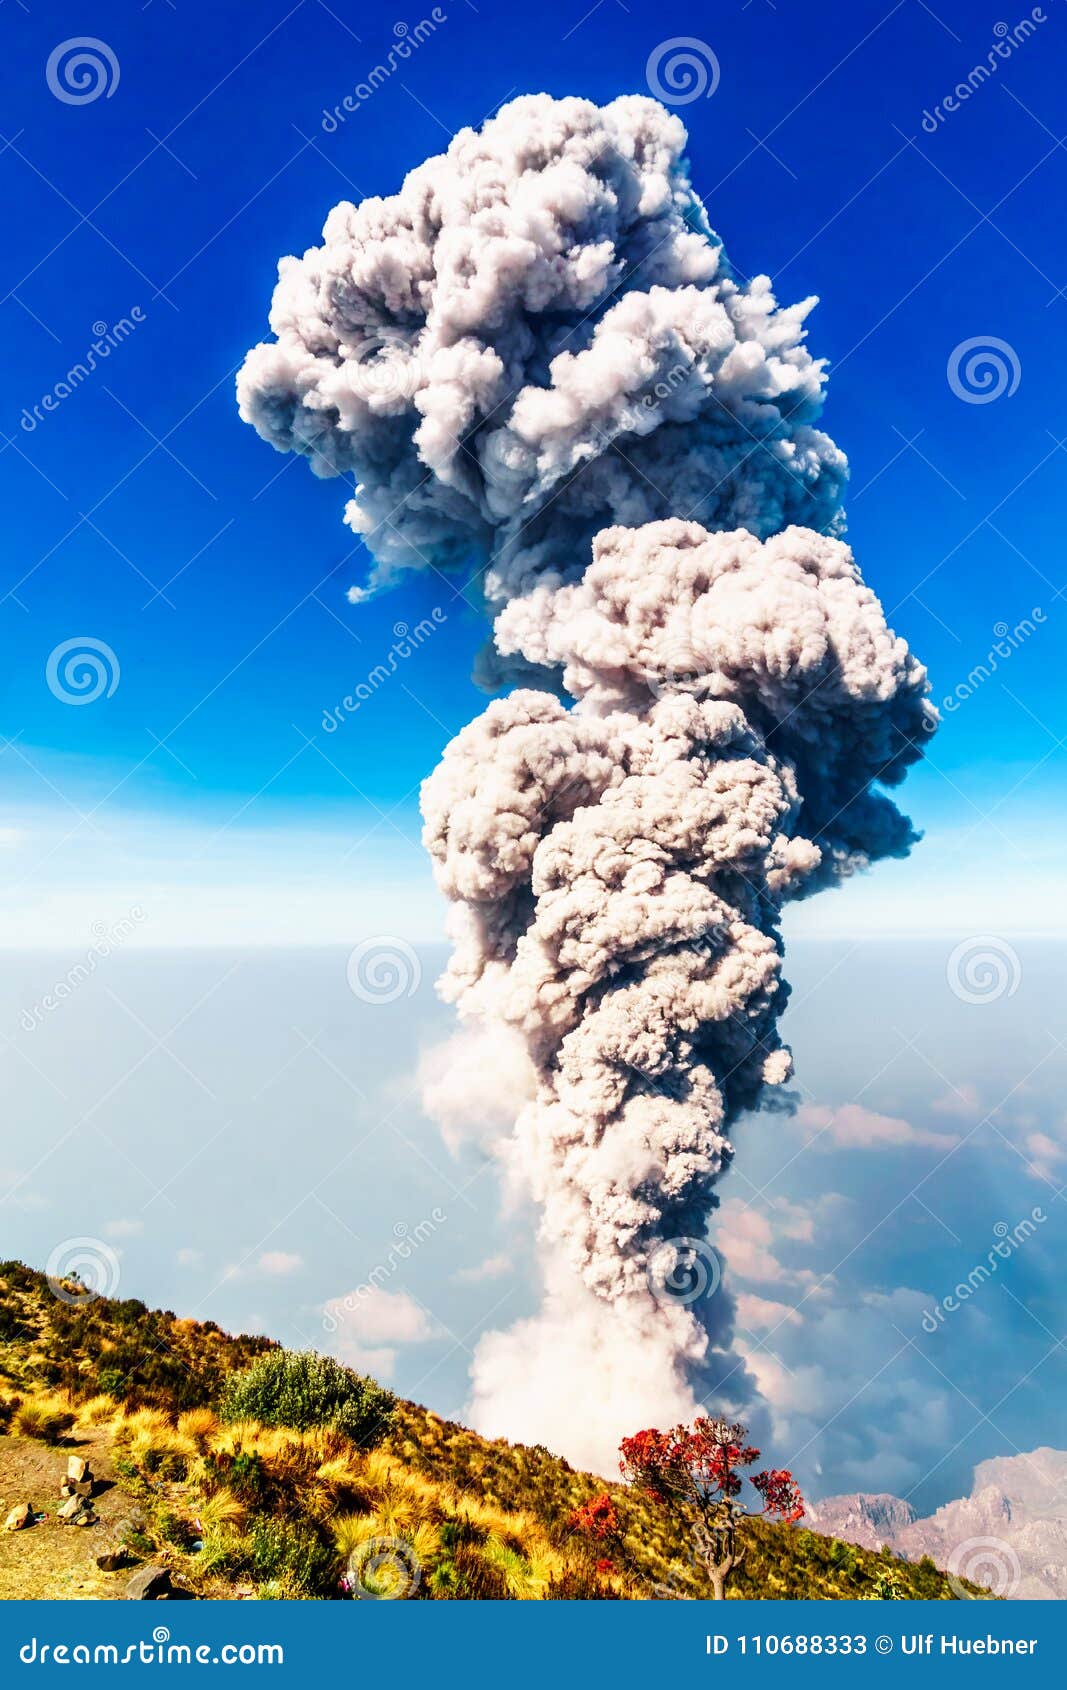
302 1390
11 1327
242 1472
843 1557
175 1529
285 1549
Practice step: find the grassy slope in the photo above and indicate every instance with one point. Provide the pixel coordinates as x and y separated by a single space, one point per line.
278 1512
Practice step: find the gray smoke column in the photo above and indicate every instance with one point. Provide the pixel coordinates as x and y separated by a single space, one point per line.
537 337
536 358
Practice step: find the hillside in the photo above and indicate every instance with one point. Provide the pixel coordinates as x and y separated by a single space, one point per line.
243 1508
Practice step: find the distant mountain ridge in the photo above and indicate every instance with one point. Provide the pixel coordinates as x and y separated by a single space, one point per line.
1009 1534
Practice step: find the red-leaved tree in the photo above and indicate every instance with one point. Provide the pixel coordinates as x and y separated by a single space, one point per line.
597 1522
697 1471
596 1518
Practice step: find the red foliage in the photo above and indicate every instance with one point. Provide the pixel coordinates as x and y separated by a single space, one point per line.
780 1493
596 1518
702 1465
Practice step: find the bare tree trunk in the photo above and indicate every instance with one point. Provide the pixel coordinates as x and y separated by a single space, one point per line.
717 1547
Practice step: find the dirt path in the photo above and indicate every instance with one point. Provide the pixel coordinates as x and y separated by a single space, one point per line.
51 1559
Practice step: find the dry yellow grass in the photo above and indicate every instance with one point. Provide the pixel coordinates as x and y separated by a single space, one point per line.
98 1411
198 1424
45 1416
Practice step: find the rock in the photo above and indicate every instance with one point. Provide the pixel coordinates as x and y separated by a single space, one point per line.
19 1518
77 1469
113 1558
1016 1509
866 1520
148 1584
75 1513
69 1488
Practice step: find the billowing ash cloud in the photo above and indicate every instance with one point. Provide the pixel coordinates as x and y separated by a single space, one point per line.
617 872
536 357
537 337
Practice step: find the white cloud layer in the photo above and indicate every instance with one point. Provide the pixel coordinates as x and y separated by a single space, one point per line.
367 1326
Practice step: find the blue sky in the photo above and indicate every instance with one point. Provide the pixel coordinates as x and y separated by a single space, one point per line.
205 793
142 514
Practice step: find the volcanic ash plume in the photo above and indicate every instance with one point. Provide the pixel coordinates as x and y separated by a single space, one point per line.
618 871
535 359
539 336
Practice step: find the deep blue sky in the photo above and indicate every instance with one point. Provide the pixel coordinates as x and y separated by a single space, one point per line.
143 514
178 194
